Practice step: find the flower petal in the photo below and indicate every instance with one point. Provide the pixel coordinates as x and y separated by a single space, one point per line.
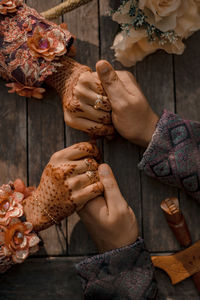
24 244
34 240
2 237
22 254
33 249
18 196
28 227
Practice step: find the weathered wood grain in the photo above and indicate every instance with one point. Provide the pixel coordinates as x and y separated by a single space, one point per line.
82 22
55 278
50 278
187 74
166 291
13 158
155 75
121 155
45 136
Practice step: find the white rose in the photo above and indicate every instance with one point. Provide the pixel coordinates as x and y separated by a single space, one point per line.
161 8
182 16
134 47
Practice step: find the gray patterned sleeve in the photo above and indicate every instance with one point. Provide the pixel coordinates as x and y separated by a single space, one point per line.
125 273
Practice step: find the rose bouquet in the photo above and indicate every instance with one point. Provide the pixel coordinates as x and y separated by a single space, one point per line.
149 25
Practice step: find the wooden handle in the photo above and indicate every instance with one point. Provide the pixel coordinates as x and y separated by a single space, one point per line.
178 225
180 265
176 221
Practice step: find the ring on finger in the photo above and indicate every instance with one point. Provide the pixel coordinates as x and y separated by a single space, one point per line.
91 176
99 102
89 163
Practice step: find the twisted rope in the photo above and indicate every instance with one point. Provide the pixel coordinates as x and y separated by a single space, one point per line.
63 8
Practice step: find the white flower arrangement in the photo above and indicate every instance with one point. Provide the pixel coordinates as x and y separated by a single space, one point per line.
149 25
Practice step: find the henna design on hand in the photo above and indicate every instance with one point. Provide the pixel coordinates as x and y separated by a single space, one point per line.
106 119
54 198
89 148
103 130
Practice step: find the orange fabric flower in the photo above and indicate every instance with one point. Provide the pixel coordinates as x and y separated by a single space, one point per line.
20 187
10 204
9 6
16 241
47 44
26 91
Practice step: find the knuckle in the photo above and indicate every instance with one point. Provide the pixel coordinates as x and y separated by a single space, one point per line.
129 74
113 219
109 184
123 211
77 91
55 156
111 78
85 78
68 119
71 183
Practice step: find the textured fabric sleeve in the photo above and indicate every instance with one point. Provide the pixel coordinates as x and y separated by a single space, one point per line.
125 273
30 47
173 155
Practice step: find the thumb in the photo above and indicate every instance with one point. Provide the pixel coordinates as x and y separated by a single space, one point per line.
112 192
111 83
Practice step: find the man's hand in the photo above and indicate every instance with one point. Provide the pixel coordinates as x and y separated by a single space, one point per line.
109 220
132 115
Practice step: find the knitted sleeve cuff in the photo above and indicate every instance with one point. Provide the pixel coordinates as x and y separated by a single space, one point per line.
125 273
173 155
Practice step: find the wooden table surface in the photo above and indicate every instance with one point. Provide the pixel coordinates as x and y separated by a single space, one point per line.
31 131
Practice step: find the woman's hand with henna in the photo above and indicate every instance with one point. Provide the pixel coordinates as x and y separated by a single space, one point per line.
80 89
132 115
68 182
82 115
109 220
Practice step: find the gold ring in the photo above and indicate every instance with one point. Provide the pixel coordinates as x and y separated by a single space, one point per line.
89 164
98 102
90 175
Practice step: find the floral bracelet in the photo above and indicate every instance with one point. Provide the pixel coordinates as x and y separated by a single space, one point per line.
17 241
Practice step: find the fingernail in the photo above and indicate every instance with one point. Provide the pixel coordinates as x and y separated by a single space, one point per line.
103 68
104 171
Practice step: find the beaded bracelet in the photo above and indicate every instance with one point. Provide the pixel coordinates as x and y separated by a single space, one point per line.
17 241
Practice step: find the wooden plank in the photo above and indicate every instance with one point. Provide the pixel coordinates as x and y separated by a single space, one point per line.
187 76
56 278
155 76
83 22
37 278
166 291
121 155
13 162
46 136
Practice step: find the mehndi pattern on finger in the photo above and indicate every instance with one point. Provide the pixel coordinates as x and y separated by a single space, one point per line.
89 148
104 130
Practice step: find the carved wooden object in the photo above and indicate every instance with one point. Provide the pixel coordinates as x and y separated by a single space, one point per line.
176 221
181 265
178 225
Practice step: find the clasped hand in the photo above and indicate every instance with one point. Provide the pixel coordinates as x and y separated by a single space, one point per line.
74 181
122 106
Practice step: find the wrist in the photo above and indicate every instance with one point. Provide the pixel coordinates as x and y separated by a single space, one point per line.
146 132
150 129
34 213
67 76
